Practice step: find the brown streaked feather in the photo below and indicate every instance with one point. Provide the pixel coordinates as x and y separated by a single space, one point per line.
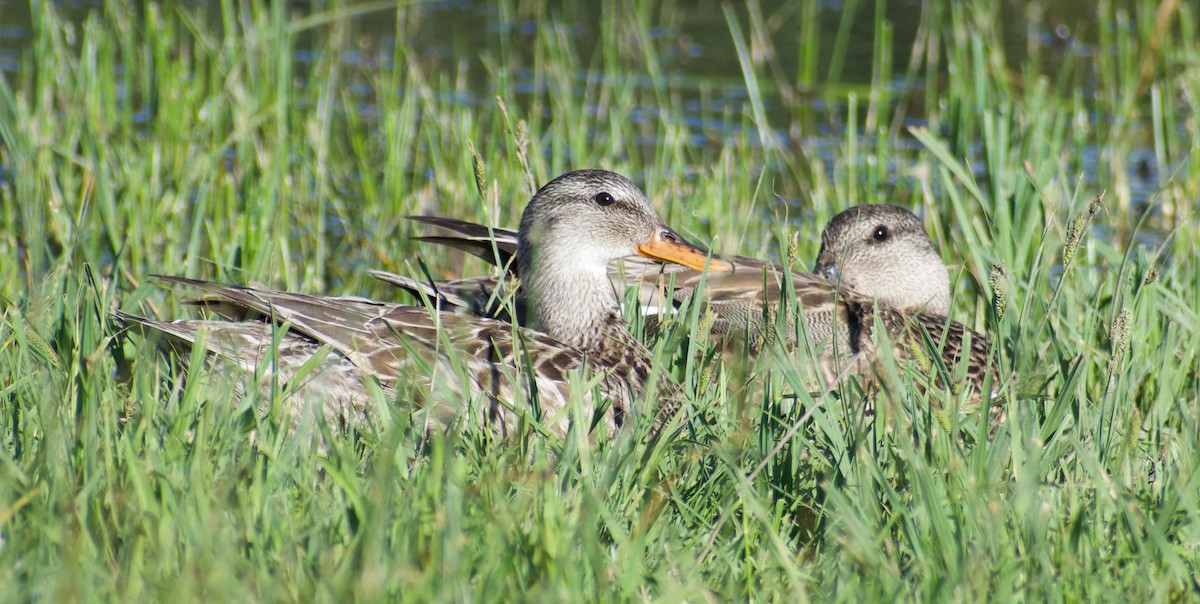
335 385
371 340
494 246
483 296
571 229
838 318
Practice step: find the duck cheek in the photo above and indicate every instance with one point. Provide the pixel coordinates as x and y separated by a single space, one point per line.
598 254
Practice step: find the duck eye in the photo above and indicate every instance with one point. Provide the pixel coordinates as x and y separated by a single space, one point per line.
880 234
604 199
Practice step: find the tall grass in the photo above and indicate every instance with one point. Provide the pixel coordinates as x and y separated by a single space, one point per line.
202 141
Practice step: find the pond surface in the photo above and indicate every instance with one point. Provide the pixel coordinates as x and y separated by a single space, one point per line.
699 55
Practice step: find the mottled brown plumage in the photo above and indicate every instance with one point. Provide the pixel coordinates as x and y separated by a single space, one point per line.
882 264
570 231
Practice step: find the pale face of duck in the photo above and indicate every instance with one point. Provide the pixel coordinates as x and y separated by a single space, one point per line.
589 218
882 252
574 226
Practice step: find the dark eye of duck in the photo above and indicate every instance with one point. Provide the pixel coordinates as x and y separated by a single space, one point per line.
603 199
881 234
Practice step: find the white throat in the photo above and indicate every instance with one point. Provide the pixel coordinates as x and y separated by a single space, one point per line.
569 297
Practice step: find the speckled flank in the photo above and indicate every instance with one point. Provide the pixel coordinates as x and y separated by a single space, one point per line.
571 229
895 275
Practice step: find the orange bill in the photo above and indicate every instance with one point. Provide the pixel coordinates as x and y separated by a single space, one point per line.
668 246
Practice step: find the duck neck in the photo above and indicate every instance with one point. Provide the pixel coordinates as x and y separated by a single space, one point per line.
933 293
571 303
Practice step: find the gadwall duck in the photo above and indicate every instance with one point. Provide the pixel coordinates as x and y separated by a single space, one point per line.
876 263
883 252
572 228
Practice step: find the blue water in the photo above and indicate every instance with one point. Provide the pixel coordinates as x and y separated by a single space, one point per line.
697 56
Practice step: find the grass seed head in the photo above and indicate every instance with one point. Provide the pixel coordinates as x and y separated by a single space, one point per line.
1151 275
998 279
1120 338
480 169
1074 237
1096 205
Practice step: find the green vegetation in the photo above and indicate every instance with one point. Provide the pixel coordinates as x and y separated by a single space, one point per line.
195 141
